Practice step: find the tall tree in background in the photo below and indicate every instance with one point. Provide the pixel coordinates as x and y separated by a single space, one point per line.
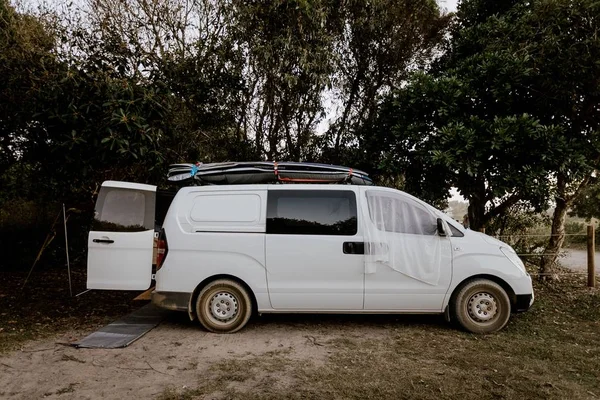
378 45
187 47
463 123
564 46
510 110
129 86
27 61
287 47
587 203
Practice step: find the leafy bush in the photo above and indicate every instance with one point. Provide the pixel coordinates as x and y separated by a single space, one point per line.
522 228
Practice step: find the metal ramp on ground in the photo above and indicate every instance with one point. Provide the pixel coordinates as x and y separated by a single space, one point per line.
125 331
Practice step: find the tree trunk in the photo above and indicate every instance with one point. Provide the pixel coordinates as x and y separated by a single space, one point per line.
557 238
476 210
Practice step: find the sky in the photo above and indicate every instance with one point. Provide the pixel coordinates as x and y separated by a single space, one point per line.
449 5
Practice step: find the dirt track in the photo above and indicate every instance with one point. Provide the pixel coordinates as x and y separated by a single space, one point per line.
176 354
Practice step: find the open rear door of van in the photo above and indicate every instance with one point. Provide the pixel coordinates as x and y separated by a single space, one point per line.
121 241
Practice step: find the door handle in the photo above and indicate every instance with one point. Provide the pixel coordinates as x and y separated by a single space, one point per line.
353 248
103 241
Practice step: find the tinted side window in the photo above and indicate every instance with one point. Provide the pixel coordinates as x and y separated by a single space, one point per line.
391 214
312 212
124 210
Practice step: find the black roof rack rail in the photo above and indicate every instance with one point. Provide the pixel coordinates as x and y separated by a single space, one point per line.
255 172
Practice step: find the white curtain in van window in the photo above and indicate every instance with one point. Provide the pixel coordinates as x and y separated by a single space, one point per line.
402 235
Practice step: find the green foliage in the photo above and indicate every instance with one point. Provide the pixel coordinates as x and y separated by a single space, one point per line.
587 204
513 93
524 229
119 90
380 42
26 59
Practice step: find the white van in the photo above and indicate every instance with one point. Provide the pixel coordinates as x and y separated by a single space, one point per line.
224 252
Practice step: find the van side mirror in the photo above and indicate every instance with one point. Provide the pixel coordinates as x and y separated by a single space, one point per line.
440 227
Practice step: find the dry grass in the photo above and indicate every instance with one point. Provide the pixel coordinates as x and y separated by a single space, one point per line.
551 352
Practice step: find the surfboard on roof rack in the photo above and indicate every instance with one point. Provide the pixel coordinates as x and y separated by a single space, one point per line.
249 172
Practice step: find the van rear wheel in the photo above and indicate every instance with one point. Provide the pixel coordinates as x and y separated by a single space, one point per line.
481 306
223 306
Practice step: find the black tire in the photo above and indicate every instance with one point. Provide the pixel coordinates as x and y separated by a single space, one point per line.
481 306
223 306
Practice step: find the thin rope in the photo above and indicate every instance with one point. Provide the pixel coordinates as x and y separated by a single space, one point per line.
566 234
558 274
539 254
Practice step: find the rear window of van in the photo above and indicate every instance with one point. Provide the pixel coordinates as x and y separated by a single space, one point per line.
124 210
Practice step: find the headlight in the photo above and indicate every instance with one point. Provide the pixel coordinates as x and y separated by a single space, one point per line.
513 257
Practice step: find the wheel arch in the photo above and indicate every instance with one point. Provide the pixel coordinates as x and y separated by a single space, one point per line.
494 278
201 285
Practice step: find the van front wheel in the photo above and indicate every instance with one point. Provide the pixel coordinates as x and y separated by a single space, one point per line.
481 306
223 306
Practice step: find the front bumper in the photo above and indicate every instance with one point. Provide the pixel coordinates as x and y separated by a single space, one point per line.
524 302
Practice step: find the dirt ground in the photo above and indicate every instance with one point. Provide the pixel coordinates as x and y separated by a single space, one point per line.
553 352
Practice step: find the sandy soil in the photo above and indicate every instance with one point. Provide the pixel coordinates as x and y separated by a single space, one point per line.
176 354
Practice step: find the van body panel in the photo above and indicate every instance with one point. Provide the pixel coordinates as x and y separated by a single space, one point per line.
204 209
311 270
328 280
479 254
201 246
194 257
129 185
124 264
389 289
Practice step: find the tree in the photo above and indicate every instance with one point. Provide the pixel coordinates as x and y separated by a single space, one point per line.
439 131
27 61
378 44
564 47
506 102
587 204
287 46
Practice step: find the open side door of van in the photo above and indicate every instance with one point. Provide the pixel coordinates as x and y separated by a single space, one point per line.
120 244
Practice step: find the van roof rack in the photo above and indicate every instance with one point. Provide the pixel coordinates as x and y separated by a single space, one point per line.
255 172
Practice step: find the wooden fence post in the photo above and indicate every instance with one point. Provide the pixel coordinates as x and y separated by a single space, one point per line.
591 256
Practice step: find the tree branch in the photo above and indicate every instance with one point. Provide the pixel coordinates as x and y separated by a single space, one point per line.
502 207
